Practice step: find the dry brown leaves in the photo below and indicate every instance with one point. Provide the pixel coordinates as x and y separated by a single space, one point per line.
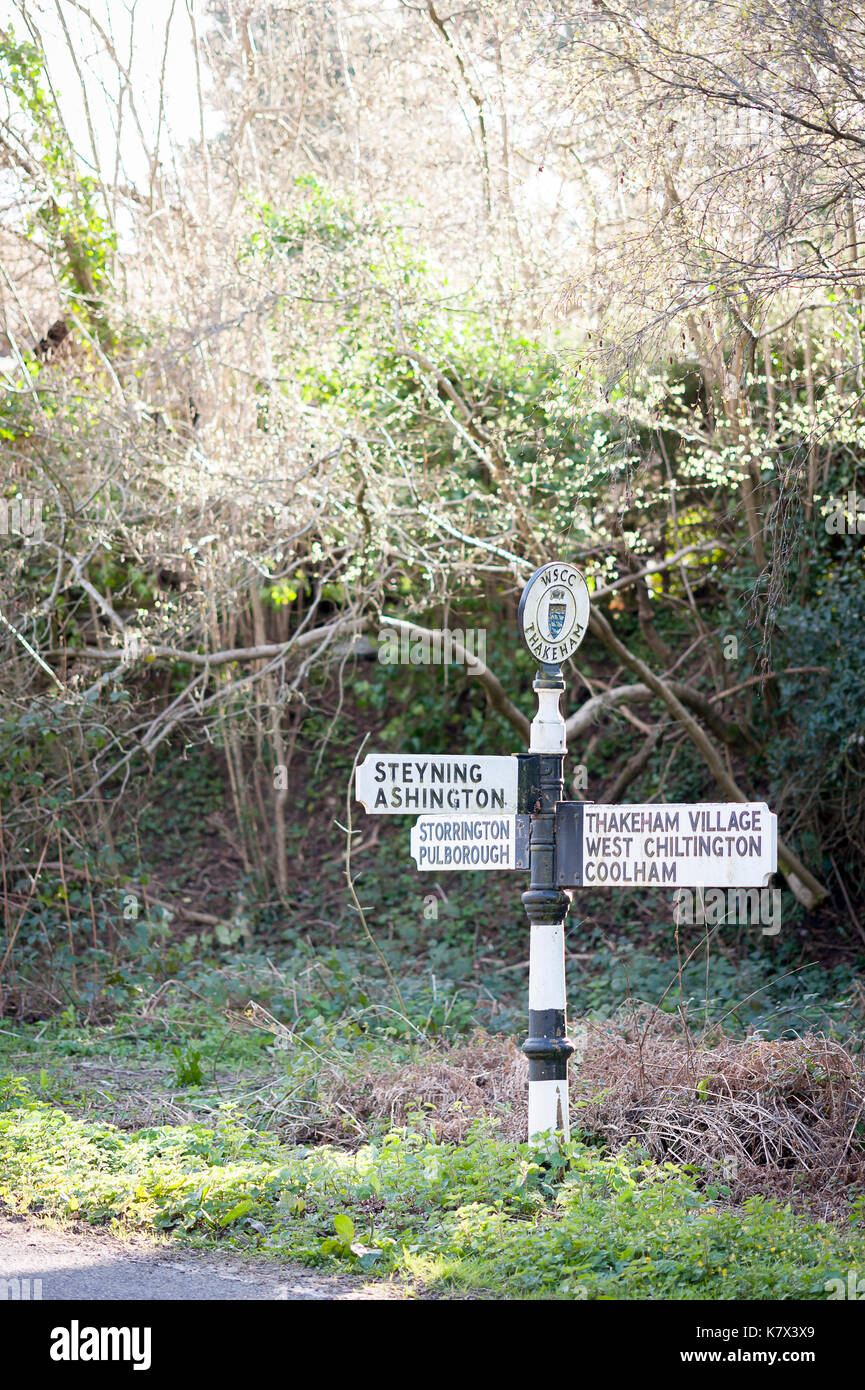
780 1118
451 1088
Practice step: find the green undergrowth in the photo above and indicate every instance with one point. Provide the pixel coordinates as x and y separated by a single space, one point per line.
277 1032
564 1221
768 989
447 984
188 1065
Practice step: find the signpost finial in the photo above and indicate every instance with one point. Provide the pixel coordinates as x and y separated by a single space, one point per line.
553 616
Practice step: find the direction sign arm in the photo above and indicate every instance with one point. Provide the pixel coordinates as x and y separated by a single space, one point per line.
807 889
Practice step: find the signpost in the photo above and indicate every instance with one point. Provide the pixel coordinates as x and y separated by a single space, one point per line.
553 615
399 786
471 842
552 619
509 813
705 845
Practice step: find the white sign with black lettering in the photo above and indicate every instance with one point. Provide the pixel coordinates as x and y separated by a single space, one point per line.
465 842
400 785
705 845
553 614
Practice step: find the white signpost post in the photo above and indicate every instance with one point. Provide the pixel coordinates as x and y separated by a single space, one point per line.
552 619
509 813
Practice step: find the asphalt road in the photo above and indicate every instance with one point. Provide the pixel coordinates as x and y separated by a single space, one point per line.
96 1266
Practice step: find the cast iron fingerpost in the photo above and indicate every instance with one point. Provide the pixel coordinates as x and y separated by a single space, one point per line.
547 1046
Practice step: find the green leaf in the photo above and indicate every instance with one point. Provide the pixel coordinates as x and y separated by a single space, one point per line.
344 1227
235 1214
365 1255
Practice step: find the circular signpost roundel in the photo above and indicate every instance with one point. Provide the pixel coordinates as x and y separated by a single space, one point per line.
553 615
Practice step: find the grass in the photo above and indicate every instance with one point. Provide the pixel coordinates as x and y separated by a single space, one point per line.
313 1128
483 1216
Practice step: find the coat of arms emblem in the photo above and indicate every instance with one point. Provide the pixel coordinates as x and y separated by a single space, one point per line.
556 612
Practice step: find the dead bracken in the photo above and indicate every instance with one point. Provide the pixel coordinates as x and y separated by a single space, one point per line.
780 1118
